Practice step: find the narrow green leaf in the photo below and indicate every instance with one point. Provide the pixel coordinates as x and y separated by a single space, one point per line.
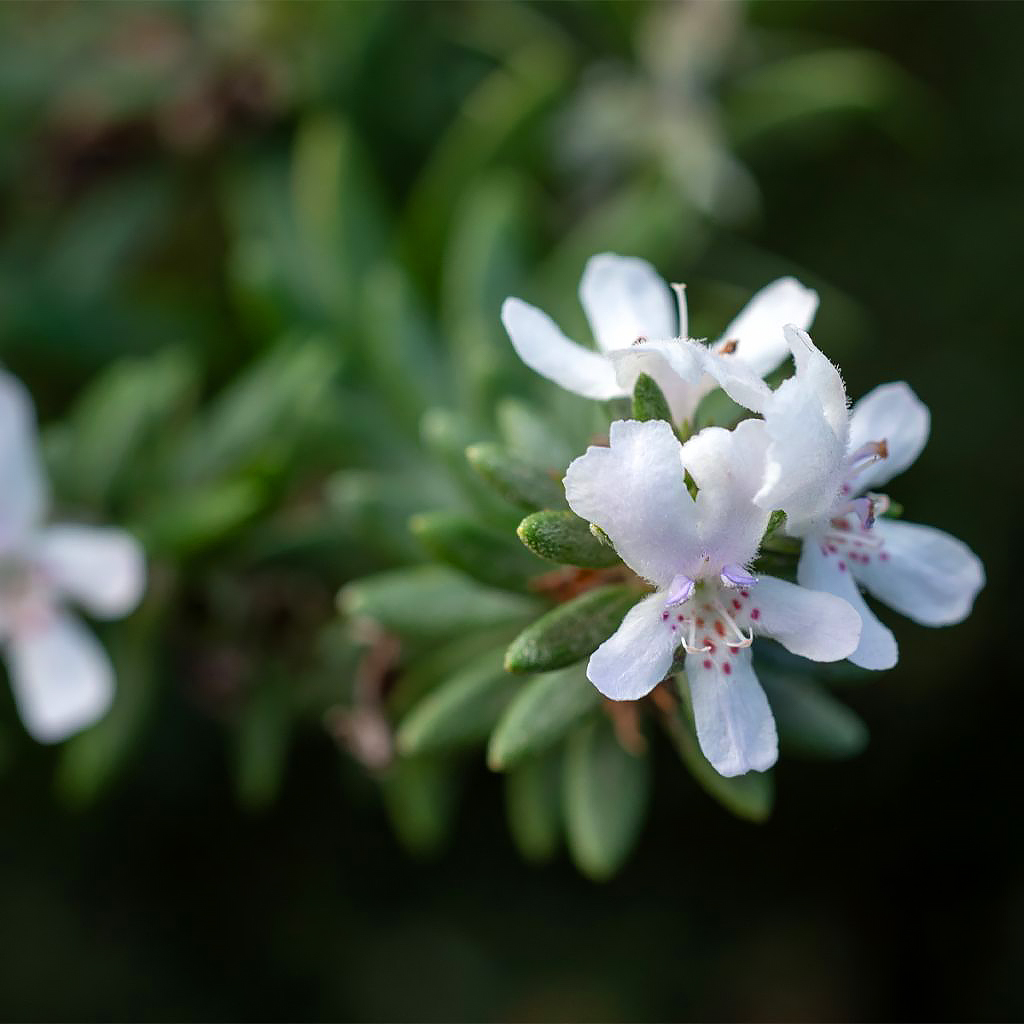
261 744
515 480
461 711
420 794
810 721
749 796
561 536
479 551
605 794
541 713
649 402
432 601
531 435
572 631
533 806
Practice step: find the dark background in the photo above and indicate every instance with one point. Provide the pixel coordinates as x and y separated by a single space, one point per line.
887 887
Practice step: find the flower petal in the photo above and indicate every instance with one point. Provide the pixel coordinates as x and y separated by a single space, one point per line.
23 490
807 420
544 348
735 725
677 365
61 676
758 329
877 648
811 623
625 298
893 413
638 655
104 570
636 492
728 467
926 574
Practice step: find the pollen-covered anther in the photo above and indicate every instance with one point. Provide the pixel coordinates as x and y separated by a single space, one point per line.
729 347
867 454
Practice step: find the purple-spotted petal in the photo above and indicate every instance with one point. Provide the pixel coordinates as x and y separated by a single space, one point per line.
735 726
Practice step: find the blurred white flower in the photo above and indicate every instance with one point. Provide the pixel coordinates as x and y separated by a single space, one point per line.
696 552
821 461
62 678
640 328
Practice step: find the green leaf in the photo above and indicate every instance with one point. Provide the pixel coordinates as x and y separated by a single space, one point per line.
531 435
561 536
533 806
432 601
810 721
420 794
461 711
749 796
572 631
605 794
541 713
261 744
515 480
479 551
649 402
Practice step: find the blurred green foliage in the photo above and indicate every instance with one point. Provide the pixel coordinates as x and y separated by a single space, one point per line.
251 260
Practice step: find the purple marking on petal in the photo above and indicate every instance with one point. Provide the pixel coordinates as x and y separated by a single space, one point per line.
679 590
737 576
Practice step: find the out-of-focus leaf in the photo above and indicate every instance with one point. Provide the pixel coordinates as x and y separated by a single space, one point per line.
507 102
533 806
810 721
261 743
749 796
515 480
649 402
539 715
461 711
447 435
431 601
187 521
532 436
605 794
561 536
399 348
92 760
420 794
479 551
122 410
572 631
261 410
822 85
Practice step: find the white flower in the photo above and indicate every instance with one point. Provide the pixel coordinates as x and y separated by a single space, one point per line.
61 676
696 552
640 328
821 463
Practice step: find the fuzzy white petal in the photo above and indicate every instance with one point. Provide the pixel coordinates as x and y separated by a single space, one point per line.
677 365
624 299
728 467
61 676
104 570
811 623
808 423
637 656
893 413
877 648
23 490
636 492
758 328
734 722
929 576
544 348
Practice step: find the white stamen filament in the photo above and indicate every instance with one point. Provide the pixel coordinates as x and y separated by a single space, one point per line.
745 639
690 643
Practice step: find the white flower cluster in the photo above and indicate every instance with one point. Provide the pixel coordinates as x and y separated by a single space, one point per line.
62 678
805 453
